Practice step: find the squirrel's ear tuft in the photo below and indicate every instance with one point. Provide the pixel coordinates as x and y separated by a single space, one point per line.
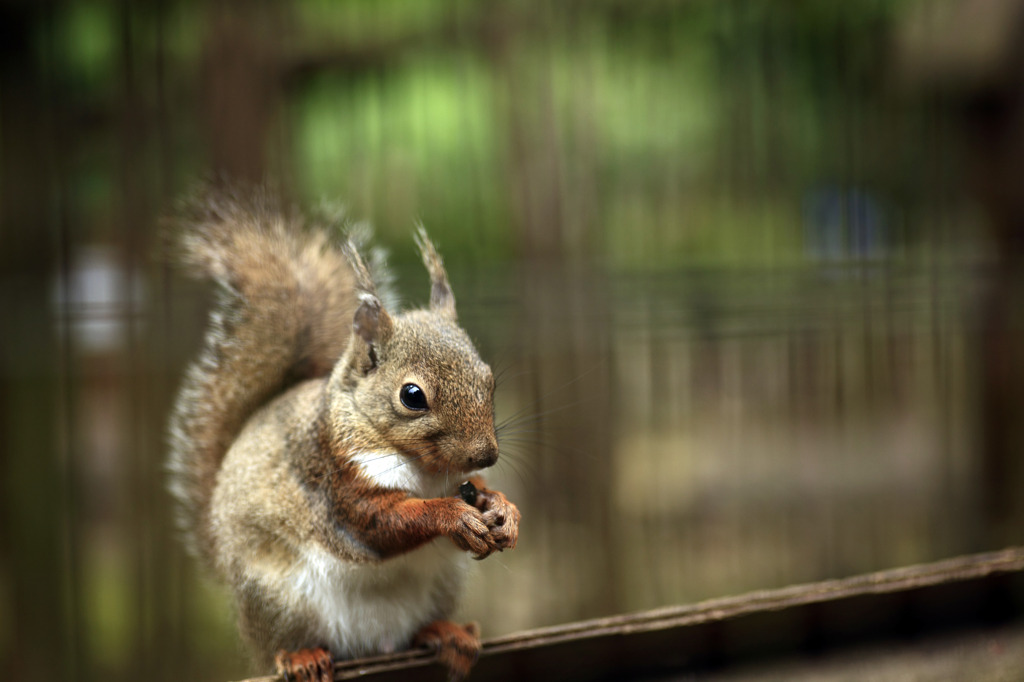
363 279
442 300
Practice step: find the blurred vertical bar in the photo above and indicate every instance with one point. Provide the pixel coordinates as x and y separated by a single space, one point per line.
136 477
37 538
968 55
242 69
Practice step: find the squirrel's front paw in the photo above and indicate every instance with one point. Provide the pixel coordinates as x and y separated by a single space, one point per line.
457 646
305 665
469 531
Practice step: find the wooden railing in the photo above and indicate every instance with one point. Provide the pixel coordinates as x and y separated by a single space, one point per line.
913 601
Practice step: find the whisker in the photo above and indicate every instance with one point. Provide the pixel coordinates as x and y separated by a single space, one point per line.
517 468
404 463
520 418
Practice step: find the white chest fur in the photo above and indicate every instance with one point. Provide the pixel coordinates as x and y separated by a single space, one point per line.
366 609
372 608
393 470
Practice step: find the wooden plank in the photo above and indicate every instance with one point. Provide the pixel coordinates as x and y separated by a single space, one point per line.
909 601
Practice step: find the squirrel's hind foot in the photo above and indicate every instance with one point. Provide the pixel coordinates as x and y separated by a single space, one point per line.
305 665
457 646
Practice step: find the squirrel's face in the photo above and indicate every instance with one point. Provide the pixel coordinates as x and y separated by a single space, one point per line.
430 396
417 379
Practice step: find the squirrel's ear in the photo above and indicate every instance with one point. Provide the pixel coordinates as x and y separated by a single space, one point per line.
372 327
371 321
442 300
371 324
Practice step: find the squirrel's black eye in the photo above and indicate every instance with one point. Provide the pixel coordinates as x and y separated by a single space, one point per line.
413 397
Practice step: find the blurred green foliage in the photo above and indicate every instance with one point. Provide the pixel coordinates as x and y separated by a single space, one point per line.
703 121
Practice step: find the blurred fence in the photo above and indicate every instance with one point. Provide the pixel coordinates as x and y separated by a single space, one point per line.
727 267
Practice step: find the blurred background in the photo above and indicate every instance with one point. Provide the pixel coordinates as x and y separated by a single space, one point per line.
749 273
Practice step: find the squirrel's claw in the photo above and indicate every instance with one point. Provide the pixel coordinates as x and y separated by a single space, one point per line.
457 646
305 665
471 533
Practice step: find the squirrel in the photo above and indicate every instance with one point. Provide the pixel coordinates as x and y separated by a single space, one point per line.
318 444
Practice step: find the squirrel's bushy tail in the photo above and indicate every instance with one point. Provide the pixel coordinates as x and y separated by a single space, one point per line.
283 314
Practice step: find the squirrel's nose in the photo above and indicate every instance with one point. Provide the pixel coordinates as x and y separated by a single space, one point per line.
485 452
